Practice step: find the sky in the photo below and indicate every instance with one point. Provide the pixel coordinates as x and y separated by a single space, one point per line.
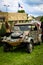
31 7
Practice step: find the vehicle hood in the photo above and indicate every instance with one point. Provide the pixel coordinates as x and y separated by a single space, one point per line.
16 34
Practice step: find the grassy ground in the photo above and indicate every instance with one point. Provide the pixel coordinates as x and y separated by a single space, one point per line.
20 57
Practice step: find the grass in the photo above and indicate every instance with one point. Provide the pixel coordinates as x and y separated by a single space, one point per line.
20 57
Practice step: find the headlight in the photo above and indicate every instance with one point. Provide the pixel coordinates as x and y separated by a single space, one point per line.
26 37
21 35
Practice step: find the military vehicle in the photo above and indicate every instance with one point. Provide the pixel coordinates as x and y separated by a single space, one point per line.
22 33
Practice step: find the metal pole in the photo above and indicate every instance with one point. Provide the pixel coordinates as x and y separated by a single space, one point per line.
6 12
6 7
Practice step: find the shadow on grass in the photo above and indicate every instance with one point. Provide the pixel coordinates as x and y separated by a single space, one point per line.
19 49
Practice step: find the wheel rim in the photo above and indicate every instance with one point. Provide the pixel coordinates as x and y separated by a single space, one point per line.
30 47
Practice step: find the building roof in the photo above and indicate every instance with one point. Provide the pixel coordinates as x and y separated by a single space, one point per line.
14 16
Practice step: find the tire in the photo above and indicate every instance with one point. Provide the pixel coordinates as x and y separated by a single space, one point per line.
6 48
30 47
42 38
39 43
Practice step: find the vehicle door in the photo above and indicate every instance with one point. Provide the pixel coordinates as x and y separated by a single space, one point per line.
34 33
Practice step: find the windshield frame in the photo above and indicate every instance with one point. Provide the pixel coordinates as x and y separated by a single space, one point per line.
30 27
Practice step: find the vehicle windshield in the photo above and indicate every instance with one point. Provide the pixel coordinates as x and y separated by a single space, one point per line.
22 28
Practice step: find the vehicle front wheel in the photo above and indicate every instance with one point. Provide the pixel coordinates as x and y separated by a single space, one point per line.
30 47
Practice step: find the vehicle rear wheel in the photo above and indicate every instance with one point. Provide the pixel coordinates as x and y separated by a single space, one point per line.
39 43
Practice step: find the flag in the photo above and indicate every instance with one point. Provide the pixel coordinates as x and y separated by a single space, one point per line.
19 5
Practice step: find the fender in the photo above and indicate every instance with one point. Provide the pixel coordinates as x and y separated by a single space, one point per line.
39 37
29 39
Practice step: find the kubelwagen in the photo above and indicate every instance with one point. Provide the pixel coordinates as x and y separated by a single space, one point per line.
22 33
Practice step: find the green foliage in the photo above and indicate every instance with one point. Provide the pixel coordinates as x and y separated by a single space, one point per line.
3 29
41 19
21 11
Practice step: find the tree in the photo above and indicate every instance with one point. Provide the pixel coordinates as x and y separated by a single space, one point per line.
2 30
41 19
21 11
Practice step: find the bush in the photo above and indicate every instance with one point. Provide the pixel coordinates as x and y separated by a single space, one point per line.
21 11
41 19
2 30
